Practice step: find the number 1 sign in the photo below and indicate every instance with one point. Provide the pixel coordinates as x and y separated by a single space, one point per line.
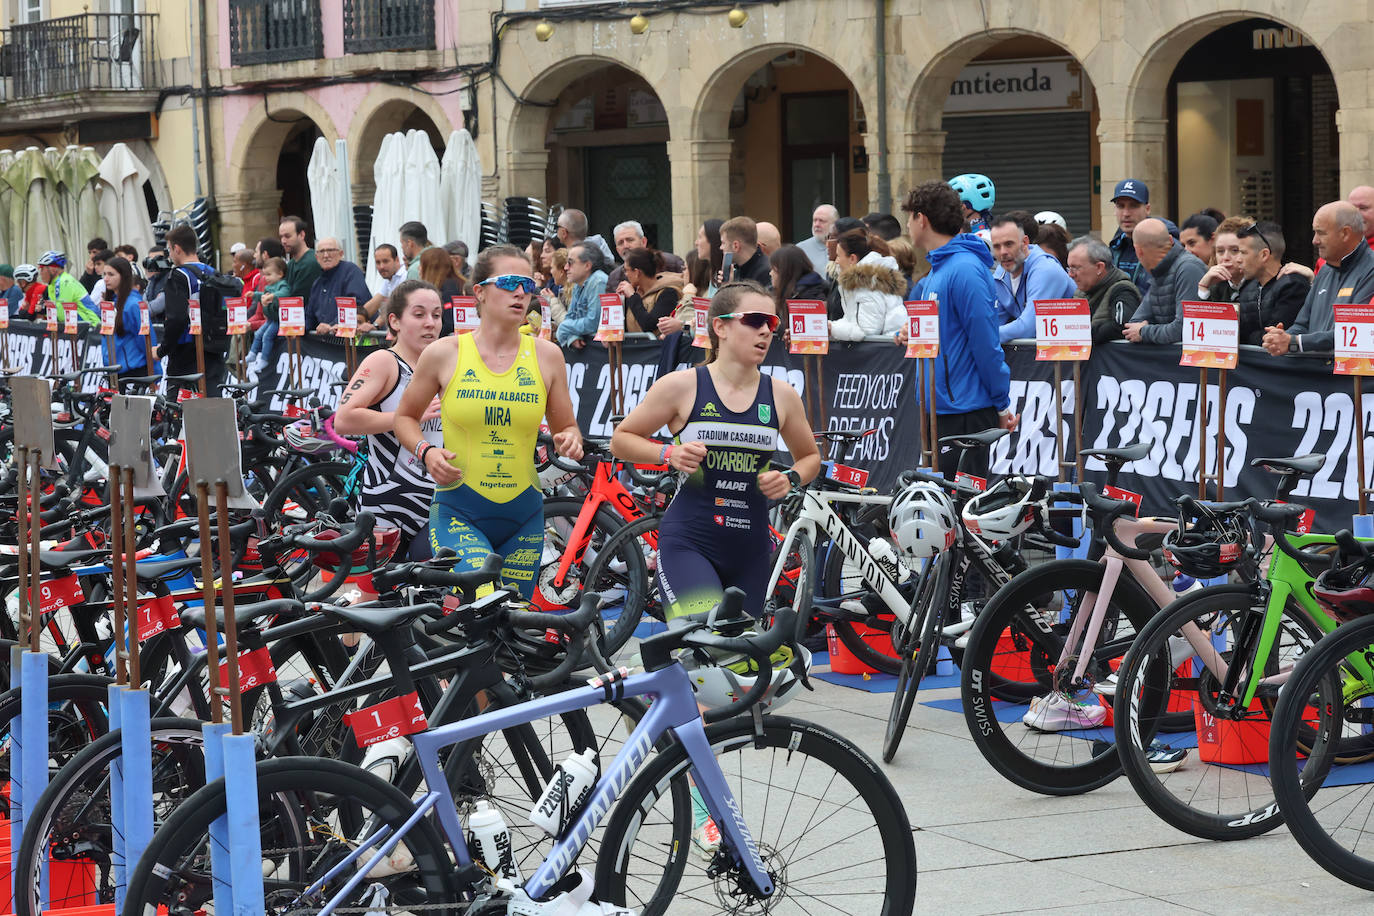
1354 339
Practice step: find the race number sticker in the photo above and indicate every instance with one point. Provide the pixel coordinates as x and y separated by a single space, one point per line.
1063 329
59 593
1125 496
107 318
1354 339
1211 335
808 326
611 327
923 329
701 322
854 477
465 319
237 310
292 313
156 615
347 325
388 719
255 669
145 320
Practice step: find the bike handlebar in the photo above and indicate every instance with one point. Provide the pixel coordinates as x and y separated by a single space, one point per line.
1105 513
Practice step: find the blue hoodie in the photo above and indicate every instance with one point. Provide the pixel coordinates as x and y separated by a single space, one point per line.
1042 277
971 371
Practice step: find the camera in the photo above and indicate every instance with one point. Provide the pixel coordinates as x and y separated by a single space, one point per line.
158 261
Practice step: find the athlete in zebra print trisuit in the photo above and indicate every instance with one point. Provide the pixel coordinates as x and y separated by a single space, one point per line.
396 488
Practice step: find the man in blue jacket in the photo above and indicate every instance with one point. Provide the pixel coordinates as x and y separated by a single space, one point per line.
584 307
338 278
1025 273
972 381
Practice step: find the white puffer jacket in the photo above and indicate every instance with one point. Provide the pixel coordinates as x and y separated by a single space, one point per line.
871 293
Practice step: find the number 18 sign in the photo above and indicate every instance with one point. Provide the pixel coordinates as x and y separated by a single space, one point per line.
1063 329
1354 339
1211 335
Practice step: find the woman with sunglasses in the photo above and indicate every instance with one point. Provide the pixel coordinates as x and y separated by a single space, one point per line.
726 417
496 386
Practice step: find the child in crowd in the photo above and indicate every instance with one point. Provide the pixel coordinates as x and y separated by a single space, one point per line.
265 337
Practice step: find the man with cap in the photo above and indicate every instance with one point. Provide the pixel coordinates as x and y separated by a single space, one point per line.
1132 201
10 293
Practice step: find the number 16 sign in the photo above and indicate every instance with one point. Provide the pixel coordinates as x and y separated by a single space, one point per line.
1354 339
1063 329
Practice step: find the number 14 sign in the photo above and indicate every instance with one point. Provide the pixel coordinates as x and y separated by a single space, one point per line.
1354 339
1211 335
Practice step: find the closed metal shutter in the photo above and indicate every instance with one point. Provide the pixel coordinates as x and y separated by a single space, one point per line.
1036 161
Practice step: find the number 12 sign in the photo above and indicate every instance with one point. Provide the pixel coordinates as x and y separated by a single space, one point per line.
1354 339
1063 329
1211 335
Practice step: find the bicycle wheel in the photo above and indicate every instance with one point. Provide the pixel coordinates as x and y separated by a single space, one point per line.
628 596
842 578
918 651
1329 808
70 822
1013 658
555 592
76 717
313 813
796 586
1222 790
830 828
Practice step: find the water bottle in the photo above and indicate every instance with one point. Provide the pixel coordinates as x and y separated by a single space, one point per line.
491 842
384 758
881 551
1184 583
571 784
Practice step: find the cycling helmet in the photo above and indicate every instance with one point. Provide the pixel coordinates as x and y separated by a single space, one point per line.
1049 216
301 437
1006 510
1211 546
53 259
986 236
26 272
720 683
975 190
1348 591
922 520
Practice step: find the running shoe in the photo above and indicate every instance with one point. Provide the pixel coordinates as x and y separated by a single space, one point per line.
1055 712
1106 687
706 839
1165 759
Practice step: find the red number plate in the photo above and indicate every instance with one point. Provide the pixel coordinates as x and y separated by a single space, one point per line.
978 483
156 615
294 411
855 477
57 593
388 719
255 669
185 394
1303 525
1123 495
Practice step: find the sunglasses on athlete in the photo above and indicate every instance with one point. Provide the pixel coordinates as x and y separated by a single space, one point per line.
511 282
754 320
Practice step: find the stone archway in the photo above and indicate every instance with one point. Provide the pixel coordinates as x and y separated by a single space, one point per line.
387 110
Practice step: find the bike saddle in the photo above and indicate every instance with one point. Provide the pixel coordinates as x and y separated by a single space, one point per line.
235 386
186 379
847 435
1119 455
14 370
156 569
62 559
292 394
1300 466
141 381
973 440
69 376
374 620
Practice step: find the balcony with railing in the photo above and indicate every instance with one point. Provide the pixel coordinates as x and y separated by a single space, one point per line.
89 56
274 31
388 25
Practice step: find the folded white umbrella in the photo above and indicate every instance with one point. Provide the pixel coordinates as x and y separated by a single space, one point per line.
123 208
460 187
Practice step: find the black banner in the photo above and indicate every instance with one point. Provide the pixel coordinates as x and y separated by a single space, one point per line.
29 346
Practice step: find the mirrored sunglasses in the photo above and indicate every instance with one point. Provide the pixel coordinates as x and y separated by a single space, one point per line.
511 282
755 320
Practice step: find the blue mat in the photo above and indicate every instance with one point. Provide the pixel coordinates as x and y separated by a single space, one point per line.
886 683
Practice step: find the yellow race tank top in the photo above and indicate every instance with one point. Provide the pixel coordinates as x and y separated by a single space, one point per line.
491 421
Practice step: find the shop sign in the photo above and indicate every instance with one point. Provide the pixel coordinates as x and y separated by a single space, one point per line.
1052 84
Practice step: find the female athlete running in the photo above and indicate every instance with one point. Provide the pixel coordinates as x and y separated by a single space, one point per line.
496 385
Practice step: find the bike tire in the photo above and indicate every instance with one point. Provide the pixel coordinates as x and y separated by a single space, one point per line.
799 590
1048 762
833 581
637 597
915 656
315 803
1315 699
560 517
76 716
647 855
1212 800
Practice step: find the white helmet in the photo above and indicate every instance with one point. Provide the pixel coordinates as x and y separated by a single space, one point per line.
922 520
301 438
1049 216
726 681
1006 510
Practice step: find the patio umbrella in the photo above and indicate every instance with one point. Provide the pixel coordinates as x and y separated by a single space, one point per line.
77 173
123 208
35 224
348 233
460 190
387 175
421 192
332 217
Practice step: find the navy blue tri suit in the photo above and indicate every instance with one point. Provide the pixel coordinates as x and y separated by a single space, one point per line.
715 533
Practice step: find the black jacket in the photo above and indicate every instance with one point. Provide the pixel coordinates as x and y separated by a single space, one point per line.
1264 307
757 269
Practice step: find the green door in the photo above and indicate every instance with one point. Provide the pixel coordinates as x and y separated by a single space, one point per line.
630 182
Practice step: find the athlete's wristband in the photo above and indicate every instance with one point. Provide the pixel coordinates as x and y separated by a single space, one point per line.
422 450
664 452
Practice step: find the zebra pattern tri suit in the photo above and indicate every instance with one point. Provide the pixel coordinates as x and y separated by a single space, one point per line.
396 487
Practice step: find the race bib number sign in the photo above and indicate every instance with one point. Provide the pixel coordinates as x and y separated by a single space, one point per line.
388 719
292 313
922 329
701 323
59 593
145 320
854 477
1211 335
465 319
1354 339
348 316
51 314
977 483
255 669
156 615
810 331
545 321
1063 329
1125 496
612 324
70 319
107 316
237 312
196 328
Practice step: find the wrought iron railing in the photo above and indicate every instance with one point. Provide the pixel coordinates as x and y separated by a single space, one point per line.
72 54
272 31
388 25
